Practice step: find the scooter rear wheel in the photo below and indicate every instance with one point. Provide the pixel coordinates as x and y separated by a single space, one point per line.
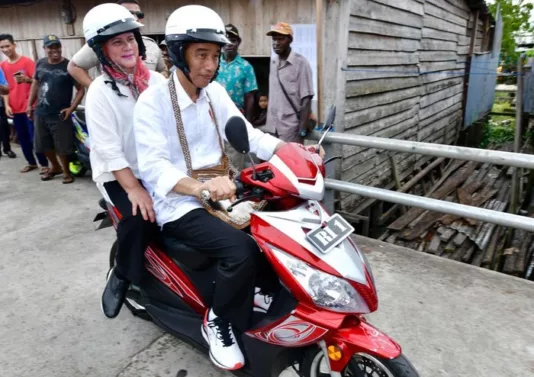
361 365
136 309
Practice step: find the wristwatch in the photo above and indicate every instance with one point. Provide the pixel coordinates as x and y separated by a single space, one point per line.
304 132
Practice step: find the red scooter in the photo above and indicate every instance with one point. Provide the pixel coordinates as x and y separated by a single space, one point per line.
315 323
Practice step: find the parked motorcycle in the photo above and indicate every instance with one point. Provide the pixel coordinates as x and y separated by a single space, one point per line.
80 162
316 323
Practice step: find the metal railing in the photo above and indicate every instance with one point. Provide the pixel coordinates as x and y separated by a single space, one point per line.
516 160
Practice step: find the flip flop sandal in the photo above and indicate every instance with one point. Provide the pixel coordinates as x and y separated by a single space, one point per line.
67 180
44 171
49 175
28 168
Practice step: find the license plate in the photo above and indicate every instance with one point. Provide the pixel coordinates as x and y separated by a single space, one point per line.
326 237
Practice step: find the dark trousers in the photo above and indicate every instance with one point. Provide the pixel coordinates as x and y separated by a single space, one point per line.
4 131
237 253
133 234
24 128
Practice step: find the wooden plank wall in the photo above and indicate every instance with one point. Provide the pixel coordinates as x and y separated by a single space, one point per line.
405 79
252 17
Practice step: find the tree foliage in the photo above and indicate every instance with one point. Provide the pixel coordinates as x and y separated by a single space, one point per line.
515 15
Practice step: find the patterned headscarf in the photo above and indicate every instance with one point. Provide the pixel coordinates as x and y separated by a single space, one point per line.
137 82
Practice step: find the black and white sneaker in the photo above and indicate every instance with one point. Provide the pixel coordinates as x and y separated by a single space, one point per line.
262 301
224 350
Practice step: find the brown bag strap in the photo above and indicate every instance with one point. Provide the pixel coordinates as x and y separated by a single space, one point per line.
297 113
181 132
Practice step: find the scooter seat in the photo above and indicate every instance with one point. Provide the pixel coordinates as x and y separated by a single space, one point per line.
185 255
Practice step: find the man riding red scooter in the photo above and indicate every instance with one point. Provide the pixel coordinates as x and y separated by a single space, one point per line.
204 270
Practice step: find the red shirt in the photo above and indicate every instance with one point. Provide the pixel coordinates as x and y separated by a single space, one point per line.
18 93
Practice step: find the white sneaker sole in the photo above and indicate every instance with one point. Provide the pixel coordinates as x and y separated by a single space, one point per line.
213 360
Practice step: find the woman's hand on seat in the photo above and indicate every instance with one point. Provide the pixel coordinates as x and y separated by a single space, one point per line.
139 197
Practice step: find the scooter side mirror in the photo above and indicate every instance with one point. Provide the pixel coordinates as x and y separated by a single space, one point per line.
237 134
330 118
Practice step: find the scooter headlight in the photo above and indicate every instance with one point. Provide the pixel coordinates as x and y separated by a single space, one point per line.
326 291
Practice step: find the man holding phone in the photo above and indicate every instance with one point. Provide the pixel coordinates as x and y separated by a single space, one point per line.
19 71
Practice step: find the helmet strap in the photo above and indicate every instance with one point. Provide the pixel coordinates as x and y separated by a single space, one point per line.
106 64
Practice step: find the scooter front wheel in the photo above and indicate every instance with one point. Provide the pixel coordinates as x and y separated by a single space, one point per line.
360 365
136 309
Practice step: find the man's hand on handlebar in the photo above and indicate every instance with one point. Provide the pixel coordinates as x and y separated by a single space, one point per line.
220 188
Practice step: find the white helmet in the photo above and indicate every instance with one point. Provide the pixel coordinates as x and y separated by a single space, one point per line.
102 23
106 20
189 24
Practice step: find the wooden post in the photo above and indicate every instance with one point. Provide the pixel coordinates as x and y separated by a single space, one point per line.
395 172
468 65
474 36
335 14
486 37
517 140
396 177
319 22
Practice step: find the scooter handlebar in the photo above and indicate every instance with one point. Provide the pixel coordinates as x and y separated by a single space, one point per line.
240 190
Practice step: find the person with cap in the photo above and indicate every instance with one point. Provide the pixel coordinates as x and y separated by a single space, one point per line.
179 130
52 87
237 76
290 88
85 59
114 35
19 71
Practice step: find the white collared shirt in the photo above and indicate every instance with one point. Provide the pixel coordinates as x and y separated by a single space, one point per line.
159 153
110 126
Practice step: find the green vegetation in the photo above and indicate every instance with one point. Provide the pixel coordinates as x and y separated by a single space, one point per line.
502 107
516 16
497 133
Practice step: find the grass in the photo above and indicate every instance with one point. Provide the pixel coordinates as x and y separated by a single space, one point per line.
497 133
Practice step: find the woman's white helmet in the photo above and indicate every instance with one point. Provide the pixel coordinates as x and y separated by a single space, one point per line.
189 24
106 20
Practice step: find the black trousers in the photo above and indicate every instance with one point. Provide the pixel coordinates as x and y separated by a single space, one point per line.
133 234
4 131
238 255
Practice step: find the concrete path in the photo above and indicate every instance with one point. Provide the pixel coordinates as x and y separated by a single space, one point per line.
451 319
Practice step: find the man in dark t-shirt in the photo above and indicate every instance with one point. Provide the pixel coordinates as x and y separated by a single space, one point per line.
53 89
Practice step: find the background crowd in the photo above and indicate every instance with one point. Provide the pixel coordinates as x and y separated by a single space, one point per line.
40 98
